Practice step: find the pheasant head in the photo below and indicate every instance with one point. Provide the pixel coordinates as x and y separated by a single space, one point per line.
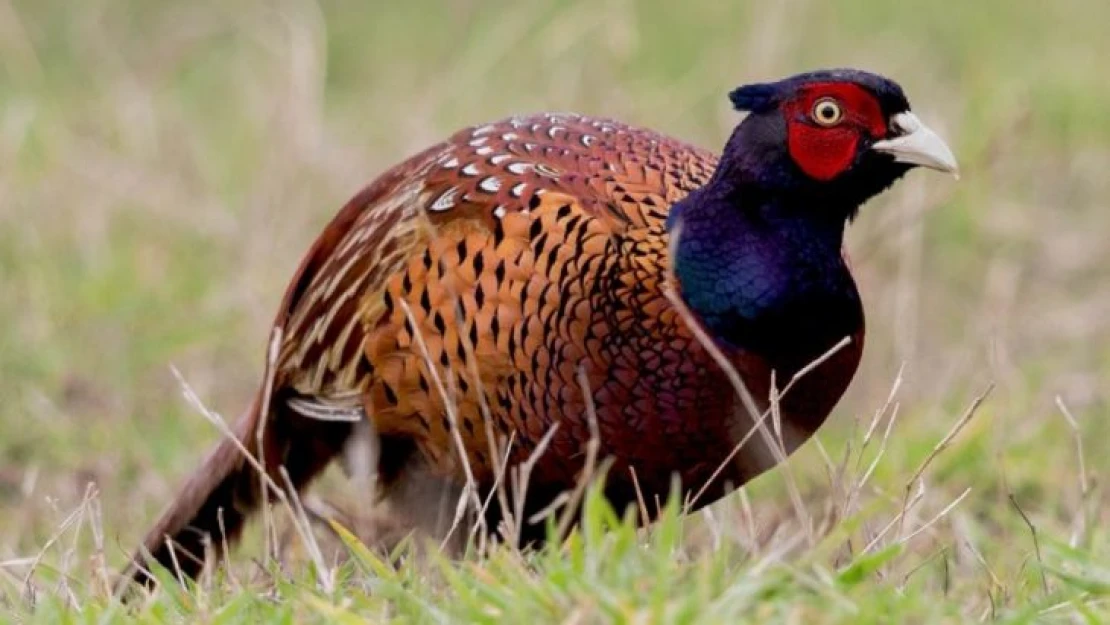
845 134
759 253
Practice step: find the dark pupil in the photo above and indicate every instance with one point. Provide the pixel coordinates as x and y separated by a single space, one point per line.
827 111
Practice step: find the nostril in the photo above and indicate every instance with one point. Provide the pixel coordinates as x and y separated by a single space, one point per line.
903 124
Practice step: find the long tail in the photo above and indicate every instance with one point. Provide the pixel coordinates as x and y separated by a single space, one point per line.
210 511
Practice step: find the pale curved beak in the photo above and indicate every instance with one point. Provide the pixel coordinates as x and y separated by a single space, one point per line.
918 145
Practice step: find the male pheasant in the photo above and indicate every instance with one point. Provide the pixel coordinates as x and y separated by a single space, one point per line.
506 290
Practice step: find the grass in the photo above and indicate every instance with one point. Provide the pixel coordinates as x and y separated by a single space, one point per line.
163 165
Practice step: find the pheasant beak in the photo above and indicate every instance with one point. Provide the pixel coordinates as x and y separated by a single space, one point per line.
917 144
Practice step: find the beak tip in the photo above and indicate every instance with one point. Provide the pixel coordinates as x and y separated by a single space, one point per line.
949 165
945 164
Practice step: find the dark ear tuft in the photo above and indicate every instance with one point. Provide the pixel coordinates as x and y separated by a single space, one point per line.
755 98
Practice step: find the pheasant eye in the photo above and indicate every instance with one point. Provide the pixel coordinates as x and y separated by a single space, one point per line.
827 112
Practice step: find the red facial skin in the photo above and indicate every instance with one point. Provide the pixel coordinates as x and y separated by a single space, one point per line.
824 152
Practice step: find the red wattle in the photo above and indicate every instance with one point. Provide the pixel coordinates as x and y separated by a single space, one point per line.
822 153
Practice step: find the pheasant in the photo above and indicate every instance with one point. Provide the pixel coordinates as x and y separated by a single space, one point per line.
528 286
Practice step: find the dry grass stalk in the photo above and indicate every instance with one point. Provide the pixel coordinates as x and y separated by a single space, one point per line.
938 448
1087 514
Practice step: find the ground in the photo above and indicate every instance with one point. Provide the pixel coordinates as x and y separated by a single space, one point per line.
163 165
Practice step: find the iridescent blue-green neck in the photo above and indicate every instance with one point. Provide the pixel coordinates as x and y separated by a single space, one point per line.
765 275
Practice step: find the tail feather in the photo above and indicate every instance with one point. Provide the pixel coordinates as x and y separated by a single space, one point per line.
209 510
212 508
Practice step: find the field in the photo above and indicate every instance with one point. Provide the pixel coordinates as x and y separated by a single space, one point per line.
163 166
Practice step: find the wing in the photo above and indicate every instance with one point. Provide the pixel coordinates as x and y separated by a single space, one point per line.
434 261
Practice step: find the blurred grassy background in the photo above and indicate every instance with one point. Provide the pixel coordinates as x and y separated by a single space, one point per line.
163 166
